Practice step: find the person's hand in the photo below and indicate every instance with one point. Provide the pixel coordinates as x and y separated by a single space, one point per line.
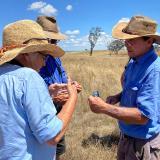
59 93
61 99
77 85
72 90
96 104
113 99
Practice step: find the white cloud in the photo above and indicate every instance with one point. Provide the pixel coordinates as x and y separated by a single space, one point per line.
48 10
36 5
72 36
69 7
73 32
103 33
81 42
75 43
43 8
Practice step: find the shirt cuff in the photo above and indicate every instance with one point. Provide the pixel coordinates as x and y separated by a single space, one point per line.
51 129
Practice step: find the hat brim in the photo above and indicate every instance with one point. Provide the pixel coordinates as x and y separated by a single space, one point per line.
49 49
117 32
57 36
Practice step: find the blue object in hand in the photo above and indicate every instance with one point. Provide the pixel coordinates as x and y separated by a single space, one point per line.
96 94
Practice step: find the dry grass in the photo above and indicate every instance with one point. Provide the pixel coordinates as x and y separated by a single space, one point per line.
92 136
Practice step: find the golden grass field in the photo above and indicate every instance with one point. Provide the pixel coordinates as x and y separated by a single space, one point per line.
93 136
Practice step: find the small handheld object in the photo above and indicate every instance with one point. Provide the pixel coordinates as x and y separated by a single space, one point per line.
95 94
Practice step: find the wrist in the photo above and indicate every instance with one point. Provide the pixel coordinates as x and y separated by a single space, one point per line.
119 96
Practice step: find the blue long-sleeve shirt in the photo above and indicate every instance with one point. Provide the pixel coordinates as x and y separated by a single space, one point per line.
141 89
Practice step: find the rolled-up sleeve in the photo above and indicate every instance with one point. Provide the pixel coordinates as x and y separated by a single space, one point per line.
148 98
40 110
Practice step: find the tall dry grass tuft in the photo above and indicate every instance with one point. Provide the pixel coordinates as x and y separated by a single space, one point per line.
93 136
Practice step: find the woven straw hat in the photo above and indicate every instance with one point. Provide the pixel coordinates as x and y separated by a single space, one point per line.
50 27
138 26
25 36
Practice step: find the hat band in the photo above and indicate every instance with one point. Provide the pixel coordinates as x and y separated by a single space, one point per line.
7 48
51 30
125 31
40 39
135 32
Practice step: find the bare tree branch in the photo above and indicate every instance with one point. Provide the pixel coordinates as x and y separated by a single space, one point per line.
94 34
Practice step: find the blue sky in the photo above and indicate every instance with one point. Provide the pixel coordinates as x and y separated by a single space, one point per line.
76 17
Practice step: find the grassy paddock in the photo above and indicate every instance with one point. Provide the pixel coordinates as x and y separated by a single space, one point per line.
93 136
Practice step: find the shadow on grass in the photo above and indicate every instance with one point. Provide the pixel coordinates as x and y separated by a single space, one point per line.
105 141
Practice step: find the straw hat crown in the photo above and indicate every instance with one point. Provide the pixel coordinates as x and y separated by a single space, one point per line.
22 31
48 23
141 25
138 26
50 27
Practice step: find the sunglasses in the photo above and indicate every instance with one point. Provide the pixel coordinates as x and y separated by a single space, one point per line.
52 41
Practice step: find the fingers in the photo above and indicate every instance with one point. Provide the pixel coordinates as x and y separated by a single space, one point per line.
71 88
63 91
90 98
57 87
77 85
61 96
79 89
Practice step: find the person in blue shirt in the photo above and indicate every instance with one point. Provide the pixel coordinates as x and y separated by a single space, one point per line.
29 125
139 111
54 73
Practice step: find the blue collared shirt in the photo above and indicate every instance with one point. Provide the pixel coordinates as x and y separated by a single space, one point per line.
142 90
53 71
27 115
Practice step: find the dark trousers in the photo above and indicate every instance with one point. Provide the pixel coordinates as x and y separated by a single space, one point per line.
138 149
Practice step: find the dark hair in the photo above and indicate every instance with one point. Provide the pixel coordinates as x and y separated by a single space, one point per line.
145 38
15 62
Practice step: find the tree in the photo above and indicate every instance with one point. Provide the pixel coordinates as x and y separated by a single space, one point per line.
94 34
115 46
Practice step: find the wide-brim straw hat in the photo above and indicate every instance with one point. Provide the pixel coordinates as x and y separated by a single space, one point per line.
50 27
138 26
25 36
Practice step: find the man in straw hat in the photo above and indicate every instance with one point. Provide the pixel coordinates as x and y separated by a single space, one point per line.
54 73
139 111
29 126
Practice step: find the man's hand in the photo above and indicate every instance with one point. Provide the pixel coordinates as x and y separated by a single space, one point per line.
113 99
96 104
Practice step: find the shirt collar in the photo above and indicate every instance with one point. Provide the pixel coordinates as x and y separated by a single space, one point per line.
148 55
